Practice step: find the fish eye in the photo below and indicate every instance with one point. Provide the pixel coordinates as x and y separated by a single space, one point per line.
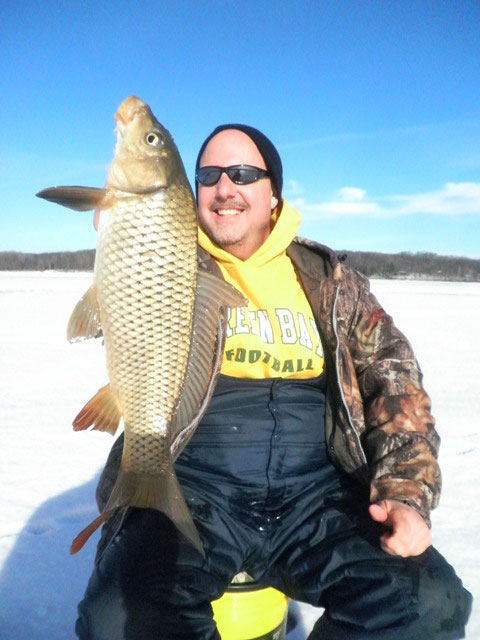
154 139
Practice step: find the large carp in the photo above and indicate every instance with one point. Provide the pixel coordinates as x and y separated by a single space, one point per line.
161 317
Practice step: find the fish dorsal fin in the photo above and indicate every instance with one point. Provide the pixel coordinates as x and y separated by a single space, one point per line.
212 294
74 197
84 322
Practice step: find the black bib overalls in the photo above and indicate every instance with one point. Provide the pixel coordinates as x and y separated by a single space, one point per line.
267 500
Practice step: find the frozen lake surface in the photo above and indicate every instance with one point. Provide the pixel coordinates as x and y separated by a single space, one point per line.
49 473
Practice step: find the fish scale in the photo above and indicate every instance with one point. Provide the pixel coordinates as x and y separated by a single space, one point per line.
151 320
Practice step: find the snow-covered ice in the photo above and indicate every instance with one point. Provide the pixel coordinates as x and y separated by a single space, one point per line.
48 473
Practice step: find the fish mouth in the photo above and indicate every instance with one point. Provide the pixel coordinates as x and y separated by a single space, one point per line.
127 111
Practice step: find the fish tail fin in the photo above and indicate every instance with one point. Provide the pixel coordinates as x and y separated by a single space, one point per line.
159 491
101 412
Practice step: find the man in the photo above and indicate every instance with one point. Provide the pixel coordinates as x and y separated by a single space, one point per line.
314 467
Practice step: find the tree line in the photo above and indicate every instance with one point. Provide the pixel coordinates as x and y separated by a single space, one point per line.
370 263
59 261
413 265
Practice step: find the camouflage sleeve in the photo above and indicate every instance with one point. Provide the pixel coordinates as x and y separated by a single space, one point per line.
400 440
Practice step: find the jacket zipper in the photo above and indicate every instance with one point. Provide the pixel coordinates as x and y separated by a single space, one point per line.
337 371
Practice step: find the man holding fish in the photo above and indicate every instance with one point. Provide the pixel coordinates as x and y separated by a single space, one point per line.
308 456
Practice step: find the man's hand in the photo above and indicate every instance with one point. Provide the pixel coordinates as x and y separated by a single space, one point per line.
409 534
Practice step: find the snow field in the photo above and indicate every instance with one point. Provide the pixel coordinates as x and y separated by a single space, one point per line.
48 473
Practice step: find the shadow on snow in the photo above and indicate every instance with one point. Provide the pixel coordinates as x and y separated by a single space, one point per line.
40 582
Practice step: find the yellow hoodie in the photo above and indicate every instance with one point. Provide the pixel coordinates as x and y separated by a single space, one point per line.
276 335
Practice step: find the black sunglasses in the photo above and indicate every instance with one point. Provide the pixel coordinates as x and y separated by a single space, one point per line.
238 173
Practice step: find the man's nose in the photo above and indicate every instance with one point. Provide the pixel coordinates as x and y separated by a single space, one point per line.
225 187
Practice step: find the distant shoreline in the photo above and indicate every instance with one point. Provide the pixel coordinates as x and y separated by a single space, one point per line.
394 266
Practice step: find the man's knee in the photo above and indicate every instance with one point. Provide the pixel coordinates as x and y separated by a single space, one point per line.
419 598
443 603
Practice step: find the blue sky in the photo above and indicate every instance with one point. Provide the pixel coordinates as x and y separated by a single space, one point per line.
374 106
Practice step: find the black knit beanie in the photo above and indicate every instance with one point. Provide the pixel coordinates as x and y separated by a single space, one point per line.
263 144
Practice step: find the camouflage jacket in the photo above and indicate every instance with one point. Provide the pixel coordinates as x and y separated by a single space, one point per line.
378 422
379 429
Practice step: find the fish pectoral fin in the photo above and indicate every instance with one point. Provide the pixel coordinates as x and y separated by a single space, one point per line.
84 322
159 491
102 412
85 534
74 197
